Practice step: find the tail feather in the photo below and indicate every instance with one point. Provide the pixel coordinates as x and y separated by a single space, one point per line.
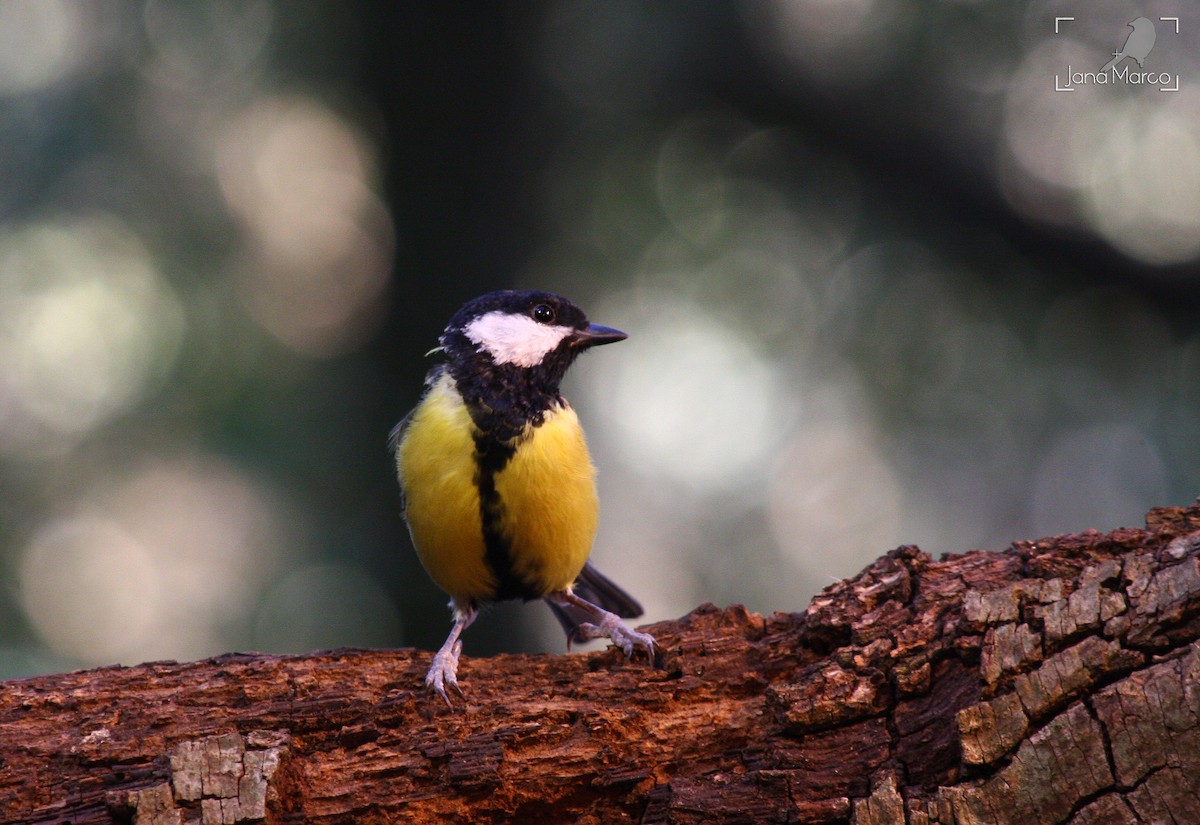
593 586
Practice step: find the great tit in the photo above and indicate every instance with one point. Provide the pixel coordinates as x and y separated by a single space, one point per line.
497 485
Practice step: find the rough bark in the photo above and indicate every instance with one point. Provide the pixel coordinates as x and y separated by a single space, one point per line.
1055 682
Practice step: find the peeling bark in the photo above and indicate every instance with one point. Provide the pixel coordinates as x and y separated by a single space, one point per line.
1055 682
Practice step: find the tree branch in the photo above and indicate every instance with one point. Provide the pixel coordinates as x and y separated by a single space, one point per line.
1057 681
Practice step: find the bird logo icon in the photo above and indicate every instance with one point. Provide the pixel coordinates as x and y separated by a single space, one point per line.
1137 45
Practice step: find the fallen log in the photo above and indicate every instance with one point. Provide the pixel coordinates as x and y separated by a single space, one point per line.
1057 681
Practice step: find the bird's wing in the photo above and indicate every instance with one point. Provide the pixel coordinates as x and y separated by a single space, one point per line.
397 433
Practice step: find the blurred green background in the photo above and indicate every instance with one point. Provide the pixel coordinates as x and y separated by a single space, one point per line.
883 285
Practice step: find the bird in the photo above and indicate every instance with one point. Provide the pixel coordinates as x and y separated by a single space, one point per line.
1137 45
497 484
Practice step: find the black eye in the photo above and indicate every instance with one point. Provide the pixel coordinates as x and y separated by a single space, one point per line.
543 314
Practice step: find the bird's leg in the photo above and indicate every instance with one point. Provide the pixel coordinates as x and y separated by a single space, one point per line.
444 669
607 625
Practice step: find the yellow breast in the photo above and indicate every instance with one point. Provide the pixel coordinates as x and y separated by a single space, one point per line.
548 495
548 508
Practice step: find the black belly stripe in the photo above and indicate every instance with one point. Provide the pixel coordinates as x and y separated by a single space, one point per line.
492 456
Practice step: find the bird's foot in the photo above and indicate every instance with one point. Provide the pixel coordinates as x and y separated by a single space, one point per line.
443 672
622 635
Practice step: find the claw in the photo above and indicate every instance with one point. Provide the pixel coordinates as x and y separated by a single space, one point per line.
443 672
622 635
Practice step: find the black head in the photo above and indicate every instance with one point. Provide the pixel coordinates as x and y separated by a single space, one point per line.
509 350
522 330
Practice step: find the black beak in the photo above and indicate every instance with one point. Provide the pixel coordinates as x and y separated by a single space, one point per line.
595 335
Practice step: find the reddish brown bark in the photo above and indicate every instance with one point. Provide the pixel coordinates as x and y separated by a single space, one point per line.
1057 682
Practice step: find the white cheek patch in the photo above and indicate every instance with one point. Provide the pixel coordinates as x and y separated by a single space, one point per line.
515 339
